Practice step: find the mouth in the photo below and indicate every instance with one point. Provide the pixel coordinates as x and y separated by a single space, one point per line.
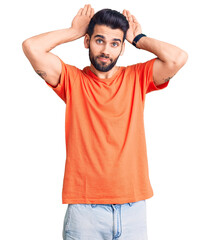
103 59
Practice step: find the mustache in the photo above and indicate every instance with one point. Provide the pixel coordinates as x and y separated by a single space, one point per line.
103 56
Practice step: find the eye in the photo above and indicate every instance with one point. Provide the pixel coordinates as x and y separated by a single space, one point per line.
99 41
115 44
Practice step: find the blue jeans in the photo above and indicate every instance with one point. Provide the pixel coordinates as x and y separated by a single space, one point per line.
105 221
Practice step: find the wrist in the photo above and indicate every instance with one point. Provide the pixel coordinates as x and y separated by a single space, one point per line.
137 40
74 33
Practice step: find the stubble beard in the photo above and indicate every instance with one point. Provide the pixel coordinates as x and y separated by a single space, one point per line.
103 66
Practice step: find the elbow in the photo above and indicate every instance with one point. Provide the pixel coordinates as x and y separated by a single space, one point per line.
178 61
25 45
25 42
181 59
28 47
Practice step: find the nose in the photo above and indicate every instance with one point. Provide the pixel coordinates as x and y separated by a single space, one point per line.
105 49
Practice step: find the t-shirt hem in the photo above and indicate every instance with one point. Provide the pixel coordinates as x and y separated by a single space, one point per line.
106 201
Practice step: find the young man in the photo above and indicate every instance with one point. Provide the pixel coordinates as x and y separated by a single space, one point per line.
106 180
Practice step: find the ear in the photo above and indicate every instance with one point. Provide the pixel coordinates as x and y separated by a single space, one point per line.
123 49
87 40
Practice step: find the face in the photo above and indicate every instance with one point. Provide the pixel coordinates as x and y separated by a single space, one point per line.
105 47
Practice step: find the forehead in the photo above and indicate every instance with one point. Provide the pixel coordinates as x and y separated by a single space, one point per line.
108 32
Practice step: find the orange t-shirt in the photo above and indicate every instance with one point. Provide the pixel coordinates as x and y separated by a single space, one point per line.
106 156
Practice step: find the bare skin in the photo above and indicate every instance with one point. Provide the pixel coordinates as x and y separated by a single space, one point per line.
41 73
170 59
106 42
37 48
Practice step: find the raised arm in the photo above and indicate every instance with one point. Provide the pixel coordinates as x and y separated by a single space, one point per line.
170 58
37 48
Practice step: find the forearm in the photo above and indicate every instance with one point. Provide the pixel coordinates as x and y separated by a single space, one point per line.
164 51
47 41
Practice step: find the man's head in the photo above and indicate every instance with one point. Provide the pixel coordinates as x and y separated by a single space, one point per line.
110 18
105 38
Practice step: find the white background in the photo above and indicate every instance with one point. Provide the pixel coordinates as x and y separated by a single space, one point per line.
32 155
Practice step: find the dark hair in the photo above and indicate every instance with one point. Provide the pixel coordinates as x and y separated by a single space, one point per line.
110 18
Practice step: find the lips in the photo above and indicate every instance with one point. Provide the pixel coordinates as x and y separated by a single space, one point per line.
104 59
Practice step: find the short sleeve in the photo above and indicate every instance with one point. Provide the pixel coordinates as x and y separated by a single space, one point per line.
145 73
67 77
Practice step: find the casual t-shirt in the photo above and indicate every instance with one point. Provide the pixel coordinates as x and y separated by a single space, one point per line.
106 156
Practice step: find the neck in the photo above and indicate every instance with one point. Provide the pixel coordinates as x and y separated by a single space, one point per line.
104 75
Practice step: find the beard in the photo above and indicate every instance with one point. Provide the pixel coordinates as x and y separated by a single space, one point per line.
102 66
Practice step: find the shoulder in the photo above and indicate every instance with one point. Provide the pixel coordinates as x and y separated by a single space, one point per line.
71 69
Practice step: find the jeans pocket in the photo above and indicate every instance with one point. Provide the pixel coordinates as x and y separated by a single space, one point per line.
67 219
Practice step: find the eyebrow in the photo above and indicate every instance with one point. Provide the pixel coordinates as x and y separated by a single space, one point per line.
101 36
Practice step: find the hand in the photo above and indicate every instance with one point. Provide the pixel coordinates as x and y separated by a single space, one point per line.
82 19
134 26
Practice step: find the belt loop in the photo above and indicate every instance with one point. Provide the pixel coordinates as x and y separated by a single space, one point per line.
130 204
93 205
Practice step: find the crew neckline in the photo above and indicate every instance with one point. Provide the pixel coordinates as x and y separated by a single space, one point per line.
105 80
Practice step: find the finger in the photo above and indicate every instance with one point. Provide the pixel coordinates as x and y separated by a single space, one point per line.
88 10
134 19
79 12
130 18
84 10
128 13
125 14
92 12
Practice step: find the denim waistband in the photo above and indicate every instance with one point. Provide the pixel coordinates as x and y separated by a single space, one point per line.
95 205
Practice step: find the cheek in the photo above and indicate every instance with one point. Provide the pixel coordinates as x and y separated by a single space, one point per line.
116 53
94 45
95 49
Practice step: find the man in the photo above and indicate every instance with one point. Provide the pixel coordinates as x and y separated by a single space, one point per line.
106 180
